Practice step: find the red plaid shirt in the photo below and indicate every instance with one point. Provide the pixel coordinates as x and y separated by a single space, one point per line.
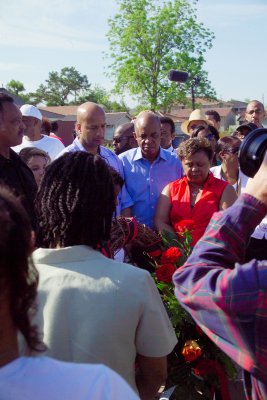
228 299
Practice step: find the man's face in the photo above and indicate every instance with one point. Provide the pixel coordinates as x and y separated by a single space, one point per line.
91 129
121 141
11 126
147 134
213 122
166 135
195 124
30 123
255 113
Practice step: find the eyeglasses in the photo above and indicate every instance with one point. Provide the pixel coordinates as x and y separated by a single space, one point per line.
120 139
234 150
210 136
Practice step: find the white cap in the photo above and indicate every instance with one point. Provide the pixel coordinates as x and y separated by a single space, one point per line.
27 110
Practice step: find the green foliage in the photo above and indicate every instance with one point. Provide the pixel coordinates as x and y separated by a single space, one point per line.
17 88
99 95
147 40
60 87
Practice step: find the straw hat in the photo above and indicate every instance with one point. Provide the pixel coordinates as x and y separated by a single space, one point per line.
196 115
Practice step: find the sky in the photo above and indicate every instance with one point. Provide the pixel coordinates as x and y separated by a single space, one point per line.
39 37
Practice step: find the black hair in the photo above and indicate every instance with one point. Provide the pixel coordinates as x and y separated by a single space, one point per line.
75 202
116 177
167 120
193 145
207 128
54 126
18 276
214 114
5 98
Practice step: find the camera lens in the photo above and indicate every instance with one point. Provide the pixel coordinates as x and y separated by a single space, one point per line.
252 151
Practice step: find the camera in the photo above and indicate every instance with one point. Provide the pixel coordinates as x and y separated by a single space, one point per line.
252 151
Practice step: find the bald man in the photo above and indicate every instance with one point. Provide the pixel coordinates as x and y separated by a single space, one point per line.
90 129
148 168
255 113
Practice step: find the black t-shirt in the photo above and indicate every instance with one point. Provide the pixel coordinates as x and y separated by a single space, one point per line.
18 176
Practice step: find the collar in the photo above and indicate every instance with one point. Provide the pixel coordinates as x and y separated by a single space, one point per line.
162 154
208 182
66 254
102 150
170 149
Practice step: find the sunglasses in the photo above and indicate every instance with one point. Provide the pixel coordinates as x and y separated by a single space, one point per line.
210 136
234 150
120 139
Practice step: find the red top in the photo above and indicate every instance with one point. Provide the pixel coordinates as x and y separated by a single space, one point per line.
203 209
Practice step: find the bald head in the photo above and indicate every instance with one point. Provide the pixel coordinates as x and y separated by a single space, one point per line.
88 108
255 113
90 126
147 134
146 117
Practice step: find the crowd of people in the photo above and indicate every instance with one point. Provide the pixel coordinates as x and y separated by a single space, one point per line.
75 301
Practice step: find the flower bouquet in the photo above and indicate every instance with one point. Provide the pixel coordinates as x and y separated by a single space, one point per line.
198 368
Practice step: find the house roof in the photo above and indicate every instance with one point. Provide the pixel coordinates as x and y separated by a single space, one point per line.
68 113
63 110
183 114
17 99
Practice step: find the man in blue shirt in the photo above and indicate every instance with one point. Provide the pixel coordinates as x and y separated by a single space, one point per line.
90 129
148 168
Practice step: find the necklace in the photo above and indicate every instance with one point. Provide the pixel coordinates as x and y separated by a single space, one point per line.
194 191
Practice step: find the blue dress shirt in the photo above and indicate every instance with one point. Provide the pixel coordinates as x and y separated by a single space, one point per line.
145 181
112 159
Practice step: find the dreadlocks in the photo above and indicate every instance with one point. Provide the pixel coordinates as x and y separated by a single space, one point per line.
75 202
18 276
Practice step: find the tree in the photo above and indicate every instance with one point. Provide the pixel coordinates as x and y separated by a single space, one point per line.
60 87
147 40
17 88
99 95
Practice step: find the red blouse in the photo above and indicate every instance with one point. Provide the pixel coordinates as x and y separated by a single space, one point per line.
203 209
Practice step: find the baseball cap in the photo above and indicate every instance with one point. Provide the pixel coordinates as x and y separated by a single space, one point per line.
27 110
247 125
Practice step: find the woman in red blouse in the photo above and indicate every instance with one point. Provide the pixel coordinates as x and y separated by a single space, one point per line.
193 199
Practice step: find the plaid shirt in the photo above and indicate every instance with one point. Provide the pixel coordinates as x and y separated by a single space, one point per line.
226 298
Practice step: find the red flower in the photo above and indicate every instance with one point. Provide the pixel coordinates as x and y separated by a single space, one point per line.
184 224
170 255
165 273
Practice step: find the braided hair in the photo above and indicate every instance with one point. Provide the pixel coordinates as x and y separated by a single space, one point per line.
75 202
18 276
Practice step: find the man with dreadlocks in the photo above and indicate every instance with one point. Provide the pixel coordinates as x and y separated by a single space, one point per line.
92 308
90 129
31 377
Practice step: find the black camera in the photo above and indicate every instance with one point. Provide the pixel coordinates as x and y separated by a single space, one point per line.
252 151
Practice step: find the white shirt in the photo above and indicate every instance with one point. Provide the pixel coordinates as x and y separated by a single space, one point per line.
92 309
52 146
42 378
171 149
241 183
261 229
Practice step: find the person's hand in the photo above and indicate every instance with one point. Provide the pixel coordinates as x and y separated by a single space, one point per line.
257 187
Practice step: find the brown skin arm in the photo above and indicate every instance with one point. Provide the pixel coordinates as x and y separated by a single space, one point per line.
152 373
257 187
162 218
229 196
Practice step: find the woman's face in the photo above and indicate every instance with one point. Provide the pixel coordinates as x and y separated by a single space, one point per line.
37 164
229 157
208 135
196 167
